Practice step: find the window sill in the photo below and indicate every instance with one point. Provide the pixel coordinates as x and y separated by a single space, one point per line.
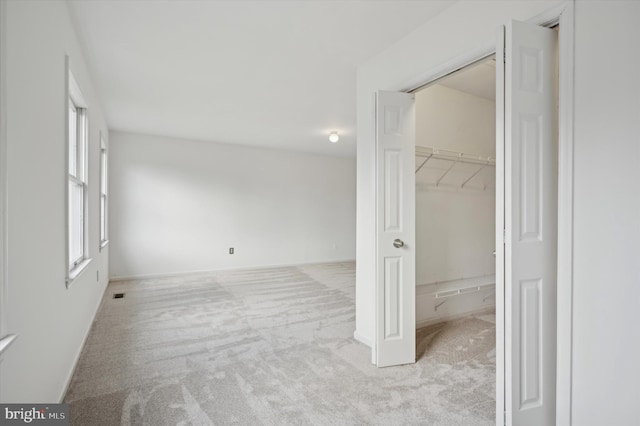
103 244
77 271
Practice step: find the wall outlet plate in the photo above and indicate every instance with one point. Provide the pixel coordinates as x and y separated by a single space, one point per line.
231 250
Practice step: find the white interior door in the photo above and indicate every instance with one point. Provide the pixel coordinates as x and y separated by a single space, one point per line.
530 223
395 230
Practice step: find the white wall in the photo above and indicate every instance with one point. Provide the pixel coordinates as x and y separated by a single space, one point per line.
462 28
606 292
455 228
450 119
179 205
606 296
51 320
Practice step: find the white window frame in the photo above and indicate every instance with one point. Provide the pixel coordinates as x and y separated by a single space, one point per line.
76 102
104 191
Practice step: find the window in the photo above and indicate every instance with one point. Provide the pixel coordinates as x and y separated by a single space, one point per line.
77 241
104 234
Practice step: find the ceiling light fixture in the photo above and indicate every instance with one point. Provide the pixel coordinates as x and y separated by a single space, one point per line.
333 137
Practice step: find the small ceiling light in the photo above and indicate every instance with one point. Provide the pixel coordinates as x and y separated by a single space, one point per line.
333 137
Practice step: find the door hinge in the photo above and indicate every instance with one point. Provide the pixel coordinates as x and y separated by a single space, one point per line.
504 236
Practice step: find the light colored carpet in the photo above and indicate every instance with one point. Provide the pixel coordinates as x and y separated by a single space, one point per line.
272 347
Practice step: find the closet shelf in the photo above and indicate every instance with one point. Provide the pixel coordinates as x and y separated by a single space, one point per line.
442 289
427 153
446 289
465 290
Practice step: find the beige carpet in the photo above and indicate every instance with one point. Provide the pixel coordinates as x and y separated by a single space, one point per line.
272 347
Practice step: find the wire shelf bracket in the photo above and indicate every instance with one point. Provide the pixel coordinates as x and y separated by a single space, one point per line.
429 153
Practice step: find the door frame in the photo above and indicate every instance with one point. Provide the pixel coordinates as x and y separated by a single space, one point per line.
6 339
3 171
564 15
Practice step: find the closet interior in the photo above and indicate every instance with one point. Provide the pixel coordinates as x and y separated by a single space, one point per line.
455 196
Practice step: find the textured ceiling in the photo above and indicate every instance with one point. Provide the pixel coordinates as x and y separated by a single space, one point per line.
278 74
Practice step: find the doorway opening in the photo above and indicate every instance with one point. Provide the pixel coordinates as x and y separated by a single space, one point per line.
455 202
532 229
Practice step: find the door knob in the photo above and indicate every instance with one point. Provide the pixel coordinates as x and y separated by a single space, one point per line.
397 243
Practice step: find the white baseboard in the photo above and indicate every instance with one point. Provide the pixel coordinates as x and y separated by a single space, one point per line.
65 389
209 271
362 339
437 320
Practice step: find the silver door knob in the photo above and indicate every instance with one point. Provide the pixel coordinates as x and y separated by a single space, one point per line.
397 243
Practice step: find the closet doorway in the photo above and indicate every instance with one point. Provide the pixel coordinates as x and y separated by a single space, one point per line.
455 216
455 177
526 213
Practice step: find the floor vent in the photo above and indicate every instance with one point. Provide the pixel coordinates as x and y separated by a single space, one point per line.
118 295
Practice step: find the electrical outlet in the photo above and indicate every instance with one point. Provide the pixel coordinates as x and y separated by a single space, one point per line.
231 250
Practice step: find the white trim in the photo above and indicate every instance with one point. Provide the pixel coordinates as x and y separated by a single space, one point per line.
73 96
564 345
85 175
550 17
449 67
72 370
4 276
76 180
65 223
209 271
77 271
374 228
103 174
362 339
500 230
547 18
74 89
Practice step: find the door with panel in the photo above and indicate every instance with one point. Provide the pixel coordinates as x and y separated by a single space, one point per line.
395 230
529 188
